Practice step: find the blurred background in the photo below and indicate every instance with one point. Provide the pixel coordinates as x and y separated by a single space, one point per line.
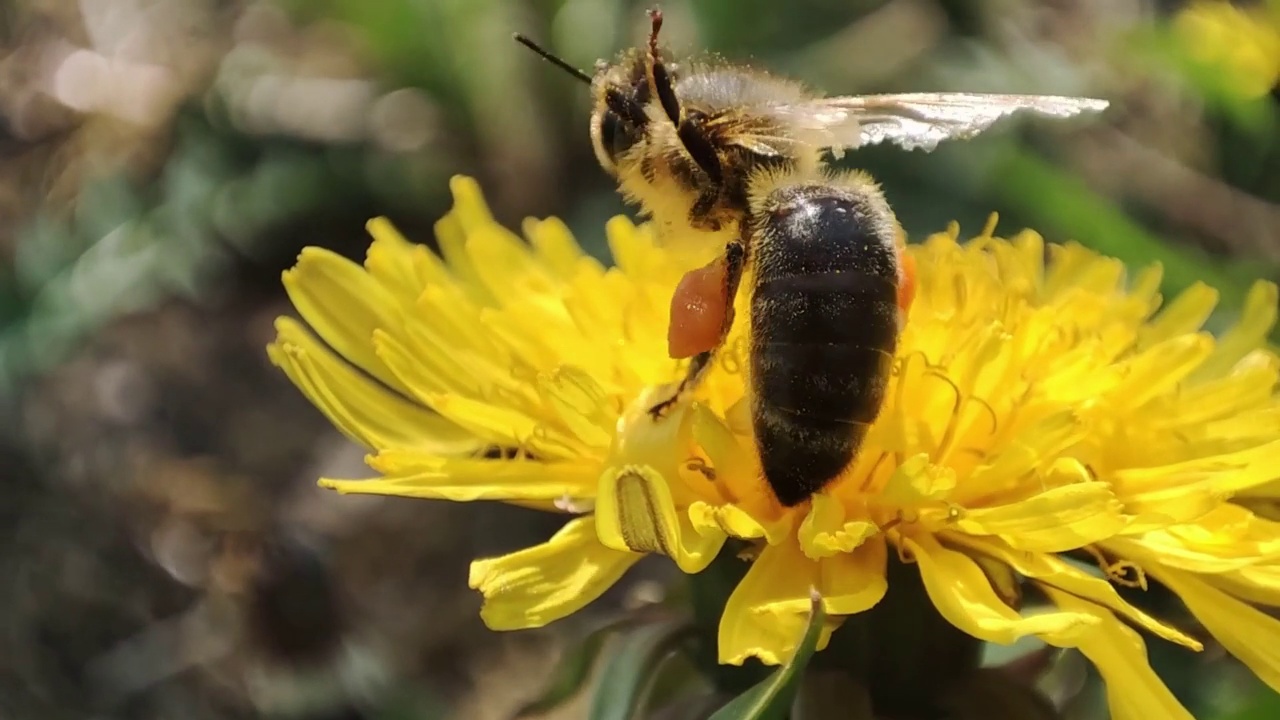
164 552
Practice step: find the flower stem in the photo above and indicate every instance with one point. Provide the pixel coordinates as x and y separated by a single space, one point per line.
709 591
903 650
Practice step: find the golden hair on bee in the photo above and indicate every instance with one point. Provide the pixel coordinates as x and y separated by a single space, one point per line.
719 151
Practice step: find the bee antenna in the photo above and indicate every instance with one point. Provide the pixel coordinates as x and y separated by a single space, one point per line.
655 26
691 136
659 80
546 55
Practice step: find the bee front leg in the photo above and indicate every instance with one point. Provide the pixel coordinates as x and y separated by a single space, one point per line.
700 214
733 263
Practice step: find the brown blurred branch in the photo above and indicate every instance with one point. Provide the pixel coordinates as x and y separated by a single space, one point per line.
1245 224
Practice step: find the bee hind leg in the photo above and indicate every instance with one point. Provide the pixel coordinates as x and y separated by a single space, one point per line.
735 259
697 369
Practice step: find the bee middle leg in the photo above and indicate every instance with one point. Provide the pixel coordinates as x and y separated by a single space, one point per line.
735 260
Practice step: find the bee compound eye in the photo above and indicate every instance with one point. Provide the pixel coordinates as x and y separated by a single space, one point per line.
616 135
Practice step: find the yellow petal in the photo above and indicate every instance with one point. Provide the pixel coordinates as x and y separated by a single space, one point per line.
1258 584
1160 368
508 427
1256 321
398 265
739 523
544 583
1074 268
1159 510
1033 447
469 213
458 354
964 596
1221 398
1227 538
359 407
554 244
917 481
423 370
1021 263
421 475
1134 691
734 463
635 512
1185 314
664 446
1227 474
1245 631
1058 519
826 532
762 617
505 265
854 581
1047 569
527 331
580 404
344 305
1243 427
628 248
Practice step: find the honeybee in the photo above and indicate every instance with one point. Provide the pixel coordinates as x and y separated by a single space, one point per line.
739 153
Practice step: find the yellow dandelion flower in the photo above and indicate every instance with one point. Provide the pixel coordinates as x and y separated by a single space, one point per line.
1036 408
1243 42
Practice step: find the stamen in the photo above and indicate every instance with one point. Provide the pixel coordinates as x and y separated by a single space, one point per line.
904 555
899 369
731 361
1128 574
1118 572
992 220
948 433
902 361
945 447
699 465
995 423
962 291
979 454
868 480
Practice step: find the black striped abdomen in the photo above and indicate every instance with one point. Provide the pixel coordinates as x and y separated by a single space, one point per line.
824 319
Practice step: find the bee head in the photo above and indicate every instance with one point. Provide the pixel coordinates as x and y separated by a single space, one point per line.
621 91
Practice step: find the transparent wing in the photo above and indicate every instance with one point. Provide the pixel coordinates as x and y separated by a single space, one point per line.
914 120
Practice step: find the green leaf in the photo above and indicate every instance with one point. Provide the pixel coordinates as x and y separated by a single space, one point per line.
1067 206
771 698
1264 706
635 665
573 670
